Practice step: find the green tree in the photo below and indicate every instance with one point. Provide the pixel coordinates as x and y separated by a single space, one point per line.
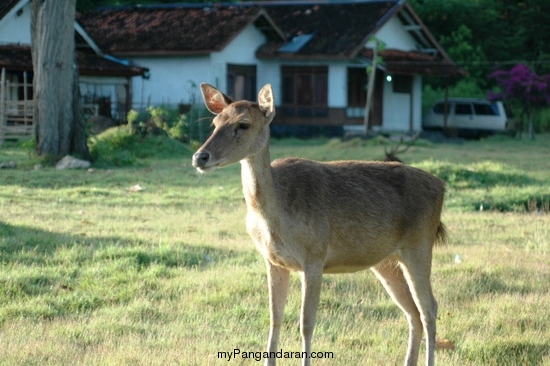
502 32
462 50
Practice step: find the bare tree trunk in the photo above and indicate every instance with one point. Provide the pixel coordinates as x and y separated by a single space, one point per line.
58 120
530 132
370 88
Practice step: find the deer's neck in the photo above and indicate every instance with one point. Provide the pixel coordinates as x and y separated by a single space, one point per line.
258 185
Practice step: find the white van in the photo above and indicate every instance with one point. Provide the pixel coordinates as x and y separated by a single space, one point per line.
470 117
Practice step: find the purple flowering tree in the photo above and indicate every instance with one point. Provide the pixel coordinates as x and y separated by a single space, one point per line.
523 89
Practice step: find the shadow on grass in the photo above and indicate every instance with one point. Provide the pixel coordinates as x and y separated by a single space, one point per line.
509 353
46 275
27 246
474 283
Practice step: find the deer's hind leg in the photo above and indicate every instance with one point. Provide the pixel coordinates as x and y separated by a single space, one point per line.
416 264
391 275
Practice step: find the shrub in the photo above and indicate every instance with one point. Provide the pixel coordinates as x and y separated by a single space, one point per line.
118 146
183 127
114 147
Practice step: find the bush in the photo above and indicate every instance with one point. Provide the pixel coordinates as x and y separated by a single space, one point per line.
114 147
119 147
183 127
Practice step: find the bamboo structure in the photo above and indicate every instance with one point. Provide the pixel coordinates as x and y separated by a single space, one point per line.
16 115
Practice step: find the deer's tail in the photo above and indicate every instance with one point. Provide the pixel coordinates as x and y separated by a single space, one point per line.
441 236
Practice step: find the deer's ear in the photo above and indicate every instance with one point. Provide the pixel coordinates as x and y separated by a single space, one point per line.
266 102
214 99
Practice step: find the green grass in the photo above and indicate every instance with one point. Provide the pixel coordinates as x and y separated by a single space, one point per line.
94 274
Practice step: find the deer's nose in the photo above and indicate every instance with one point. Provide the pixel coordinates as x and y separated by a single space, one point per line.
200 159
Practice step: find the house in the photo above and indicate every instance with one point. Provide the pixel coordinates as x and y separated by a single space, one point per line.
314 53
105 81
184 45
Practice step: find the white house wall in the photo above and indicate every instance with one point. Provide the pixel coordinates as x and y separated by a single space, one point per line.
177 79
397 107
337 85
395 36
172 80
15 26
241 51
269 72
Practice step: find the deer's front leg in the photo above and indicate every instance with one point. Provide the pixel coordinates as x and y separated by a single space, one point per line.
312 279
277 281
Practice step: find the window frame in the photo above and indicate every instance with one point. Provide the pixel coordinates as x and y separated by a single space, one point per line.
248 74
304 91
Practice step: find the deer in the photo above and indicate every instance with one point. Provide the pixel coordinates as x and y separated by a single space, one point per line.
398 148
320 218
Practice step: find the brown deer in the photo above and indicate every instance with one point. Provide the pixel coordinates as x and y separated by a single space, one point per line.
333 217
398 148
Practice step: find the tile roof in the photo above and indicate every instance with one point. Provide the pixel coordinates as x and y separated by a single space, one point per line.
183 30
339 29
18 58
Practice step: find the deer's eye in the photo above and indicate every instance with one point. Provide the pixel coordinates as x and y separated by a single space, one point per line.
244 126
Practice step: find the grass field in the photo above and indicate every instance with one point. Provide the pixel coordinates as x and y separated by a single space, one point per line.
92 273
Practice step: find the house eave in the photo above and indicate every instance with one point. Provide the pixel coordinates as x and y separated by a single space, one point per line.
164 53
300 57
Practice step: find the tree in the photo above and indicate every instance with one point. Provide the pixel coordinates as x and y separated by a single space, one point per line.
379 47
482 34
523 88
59 123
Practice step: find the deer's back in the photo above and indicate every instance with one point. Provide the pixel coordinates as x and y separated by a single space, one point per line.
303 184
350 203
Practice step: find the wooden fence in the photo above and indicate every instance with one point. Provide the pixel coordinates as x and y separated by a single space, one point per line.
16 114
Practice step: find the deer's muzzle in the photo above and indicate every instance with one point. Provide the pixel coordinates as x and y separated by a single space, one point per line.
201 159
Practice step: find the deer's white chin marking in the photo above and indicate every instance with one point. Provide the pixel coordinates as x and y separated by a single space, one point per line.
206 169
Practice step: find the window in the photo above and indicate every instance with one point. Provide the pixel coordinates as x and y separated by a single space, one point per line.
357 87
439 108
486 109
402 84
241 82
305 91
463 109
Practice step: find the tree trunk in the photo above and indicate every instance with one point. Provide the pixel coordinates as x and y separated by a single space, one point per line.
530 132
59 123
370 89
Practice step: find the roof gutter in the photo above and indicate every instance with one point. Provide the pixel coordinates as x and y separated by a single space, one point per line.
80 30
145 74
